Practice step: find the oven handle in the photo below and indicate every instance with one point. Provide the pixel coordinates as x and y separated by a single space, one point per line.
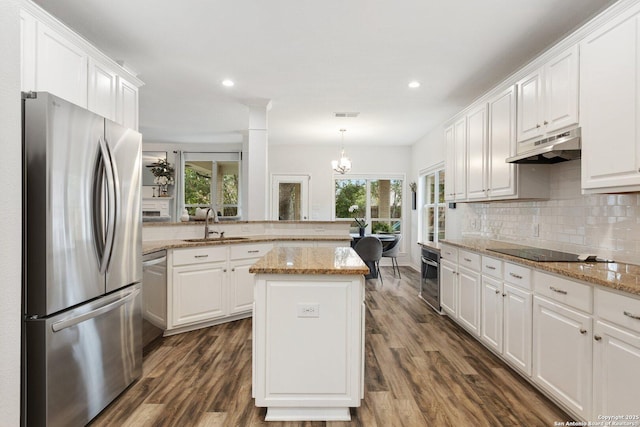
430 262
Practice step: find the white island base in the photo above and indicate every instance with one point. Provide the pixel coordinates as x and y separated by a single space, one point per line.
308 337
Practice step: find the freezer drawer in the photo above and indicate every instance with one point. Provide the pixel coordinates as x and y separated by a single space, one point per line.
80 360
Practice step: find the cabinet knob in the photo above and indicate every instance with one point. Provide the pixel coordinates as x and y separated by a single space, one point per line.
224 271
597 337
583 331
537 126
504 295
497 291
546 122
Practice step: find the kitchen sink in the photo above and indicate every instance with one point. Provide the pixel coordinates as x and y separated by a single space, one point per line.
216 239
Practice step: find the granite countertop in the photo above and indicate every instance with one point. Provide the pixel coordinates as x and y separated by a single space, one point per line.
289 260
200 221
430 245
614 275
156 245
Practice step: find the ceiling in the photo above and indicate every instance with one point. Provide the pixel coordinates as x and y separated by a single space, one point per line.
314 58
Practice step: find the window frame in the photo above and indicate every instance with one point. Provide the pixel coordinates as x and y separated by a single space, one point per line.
367 217
215 158
434 170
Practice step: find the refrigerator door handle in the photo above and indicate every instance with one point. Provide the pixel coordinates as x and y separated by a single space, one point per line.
67 323
112 204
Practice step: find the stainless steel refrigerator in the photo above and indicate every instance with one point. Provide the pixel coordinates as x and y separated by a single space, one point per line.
82 234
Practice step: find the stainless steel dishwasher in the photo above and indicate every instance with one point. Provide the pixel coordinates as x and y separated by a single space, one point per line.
154 295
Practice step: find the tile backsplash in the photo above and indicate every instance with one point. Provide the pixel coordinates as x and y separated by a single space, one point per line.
605 224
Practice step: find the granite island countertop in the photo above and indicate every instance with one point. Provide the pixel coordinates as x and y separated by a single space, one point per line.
613 275
156 245
290 260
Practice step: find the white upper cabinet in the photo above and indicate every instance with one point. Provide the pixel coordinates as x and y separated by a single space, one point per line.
456 160
477 153
57 60
502 111
127 104
103 85
610 106
60 66
548 97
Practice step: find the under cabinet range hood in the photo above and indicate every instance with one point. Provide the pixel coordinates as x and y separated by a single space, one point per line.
551 149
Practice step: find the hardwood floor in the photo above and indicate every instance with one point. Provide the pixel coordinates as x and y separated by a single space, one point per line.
421 370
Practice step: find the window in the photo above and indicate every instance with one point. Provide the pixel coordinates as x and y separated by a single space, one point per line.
217 174
433 206
379 202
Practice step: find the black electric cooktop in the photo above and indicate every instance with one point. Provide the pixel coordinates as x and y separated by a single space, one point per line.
545 255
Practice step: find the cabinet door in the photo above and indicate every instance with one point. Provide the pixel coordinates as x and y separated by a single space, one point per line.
562 354
198 293
517 308
460 146
476 153
491 310
102 90
561 90
469 300
240 288
61 66
502 144
448 287
127 104
450 164
530 106
610 106
616 370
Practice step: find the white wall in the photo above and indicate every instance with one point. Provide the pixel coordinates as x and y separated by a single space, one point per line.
10 213
316 161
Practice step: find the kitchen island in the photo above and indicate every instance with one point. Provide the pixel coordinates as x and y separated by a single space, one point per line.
308 333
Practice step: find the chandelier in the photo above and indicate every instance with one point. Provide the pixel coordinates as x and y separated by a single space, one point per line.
344 164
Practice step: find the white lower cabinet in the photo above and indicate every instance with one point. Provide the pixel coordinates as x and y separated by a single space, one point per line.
506 316
562 357
492 313
616 355
198 293
211 284
469 300
449 287
517 309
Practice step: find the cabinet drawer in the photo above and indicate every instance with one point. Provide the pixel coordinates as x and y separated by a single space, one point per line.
469 259
619 309
517 275
449 252
249 251
492 267
199 255
574 294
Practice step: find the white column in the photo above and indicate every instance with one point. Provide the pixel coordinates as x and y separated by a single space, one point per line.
255 162
10 213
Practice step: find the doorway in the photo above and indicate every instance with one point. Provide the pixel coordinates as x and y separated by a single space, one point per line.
290 197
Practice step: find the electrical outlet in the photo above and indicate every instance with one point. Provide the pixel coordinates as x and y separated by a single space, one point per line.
308 310
535 230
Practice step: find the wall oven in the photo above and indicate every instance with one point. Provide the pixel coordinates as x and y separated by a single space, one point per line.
430 278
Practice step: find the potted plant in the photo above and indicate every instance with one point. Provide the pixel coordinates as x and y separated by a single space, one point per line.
163 175
360 221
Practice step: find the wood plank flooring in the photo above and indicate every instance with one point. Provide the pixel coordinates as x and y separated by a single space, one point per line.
421 370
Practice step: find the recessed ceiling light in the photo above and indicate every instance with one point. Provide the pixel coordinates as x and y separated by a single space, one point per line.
414 84
227 83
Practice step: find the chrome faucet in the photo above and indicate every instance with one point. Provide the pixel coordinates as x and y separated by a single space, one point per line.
206 223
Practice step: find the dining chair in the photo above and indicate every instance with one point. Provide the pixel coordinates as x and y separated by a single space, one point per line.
370 250
391 251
